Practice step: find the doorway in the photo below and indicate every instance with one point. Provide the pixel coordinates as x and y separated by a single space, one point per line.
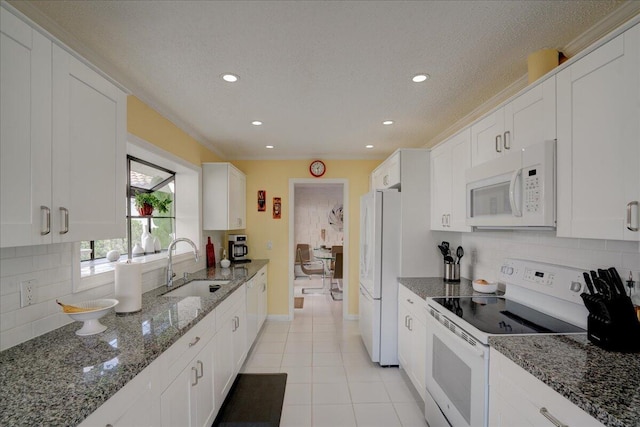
312 220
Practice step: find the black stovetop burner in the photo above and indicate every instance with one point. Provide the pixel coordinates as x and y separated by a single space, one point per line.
496 315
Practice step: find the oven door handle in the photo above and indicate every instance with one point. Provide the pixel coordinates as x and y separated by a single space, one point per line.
448 333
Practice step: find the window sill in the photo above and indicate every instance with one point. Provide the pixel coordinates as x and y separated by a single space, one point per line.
92 275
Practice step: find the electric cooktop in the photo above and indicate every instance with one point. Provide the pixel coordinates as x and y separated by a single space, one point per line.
500 316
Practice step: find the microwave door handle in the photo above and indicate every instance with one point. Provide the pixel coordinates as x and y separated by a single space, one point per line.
512 193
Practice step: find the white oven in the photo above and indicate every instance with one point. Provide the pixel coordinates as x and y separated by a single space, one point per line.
515 190
457 374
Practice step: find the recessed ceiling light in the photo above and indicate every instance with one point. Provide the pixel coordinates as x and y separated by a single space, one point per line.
231 78
269 146
387 122
256 123
419 78
368 146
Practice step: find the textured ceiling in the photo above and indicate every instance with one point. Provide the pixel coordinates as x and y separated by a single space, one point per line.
321 75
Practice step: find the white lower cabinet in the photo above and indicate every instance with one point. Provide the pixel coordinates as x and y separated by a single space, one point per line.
517 398
230 342
189 400
412 337
256 304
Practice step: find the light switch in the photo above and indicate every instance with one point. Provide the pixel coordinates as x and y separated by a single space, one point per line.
269 245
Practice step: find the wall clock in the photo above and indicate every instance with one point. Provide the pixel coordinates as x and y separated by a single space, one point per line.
317 168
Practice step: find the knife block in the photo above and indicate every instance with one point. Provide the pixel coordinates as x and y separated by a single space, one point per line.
612 323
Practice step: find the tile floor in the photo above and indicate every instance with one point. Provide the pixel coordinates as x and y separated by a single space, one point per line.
331 380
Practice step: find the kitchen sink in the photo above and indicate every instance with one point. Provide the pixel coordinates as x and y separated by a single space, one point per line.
197 288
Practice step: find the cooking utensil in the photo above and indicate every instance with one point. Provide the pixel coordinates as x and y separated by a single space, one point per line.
446 245
448 259
443 250
587 280
459 254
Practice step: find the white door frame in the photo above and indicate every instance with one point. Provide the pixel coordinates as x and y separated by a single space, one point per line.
345 232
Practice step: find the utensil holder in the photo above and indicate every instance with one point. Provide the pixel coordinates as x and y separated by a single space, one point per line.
612 323
451 272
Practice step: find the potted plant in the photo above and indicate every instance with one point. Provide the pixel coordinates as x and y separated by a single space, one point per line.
144 203
147 202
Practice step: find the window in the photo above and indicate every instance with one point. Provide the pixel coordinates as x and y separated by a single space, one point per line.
145 178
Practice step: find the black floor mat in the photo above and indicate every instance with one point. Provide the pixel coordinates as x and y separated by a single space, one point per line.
255 400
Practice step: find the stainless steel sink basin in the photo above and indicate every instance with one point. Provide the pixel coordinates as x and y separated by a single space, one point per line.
197 288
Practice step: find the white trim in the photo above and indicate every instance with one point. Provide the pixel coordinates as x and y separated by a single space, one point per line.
280 317
352 317
345 234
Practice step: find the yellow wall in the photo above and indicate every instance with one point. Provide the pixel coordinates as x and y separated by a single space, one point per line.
145 123
273 177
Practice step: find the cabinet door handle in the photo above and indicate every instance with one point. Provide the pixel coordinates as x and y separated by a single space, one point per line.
499 143
264 287
507 142
556 422
629 205
201 369
385 180
194 342
409 301
410 328
65 215
448 220
442 220
193 369
406 320
47 220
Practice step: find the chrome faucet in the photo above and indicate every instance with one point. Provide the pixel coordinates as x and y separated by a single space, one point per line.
170 273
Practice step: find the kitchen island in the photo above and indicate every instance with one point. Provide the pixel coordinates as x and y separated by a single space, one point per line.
60 378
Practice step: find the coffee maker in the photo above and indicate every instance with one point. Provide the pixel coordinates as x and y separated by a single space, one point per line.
238 249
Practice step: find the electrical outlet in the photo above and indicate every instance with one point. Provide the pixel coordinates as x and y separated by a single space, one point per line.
269 245
27 292
474 257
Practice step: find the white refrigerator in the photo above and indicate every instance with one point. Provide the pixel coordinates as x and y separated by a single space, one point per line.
379 271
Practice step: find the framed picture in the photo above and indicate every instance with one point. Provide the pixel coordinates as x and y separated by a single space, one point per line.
277 208
262 200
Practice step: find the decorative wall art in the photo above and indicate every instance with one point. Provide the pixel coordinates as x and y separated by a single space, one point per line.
262 200
277 207
336 219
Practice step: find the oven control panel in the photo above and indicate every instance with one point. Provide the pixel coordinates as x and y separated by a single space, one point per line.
555 280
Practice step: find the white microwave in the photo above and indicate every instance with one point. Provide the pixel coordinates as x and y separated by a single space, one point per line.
516 190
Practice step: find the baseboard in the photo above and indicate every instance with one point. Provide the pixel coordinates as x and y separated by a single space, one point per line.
279 317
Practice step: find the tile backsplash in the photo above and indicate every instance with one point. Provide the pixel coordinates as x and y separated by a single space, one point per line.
51 270
491 247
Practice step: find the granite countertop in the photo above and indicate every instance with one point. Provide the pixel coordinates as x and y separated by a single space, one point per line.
426 287
604 384
60 378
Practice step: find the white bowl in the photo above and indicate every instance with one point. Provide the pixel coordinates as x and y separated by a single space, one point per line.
99 307
489 288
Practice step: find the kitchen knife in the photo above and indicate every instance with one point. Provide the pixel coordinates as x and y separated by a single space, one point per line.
596 282
587 280
604 275
617 280
604 287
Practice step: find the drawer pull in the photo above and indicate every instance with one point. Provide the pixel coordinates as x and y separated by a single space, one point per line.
194 342
556 422
409 301
195 383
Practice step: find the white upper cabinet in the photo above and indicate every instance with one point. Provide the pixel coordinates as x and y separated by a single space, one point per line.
527 119
599 142
224 198
387 175
63 168
89 155
449 161
25 140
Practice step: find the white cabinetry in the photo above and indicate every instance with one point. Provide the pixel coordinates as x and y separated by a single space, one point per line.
224 197
517 398
63 168
412 337
449 161
256 304
527 119
599 142
230 342
387 174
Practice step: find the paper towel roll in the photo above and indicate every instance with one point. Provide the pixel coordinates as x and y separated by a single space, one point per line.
128 287
541 62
